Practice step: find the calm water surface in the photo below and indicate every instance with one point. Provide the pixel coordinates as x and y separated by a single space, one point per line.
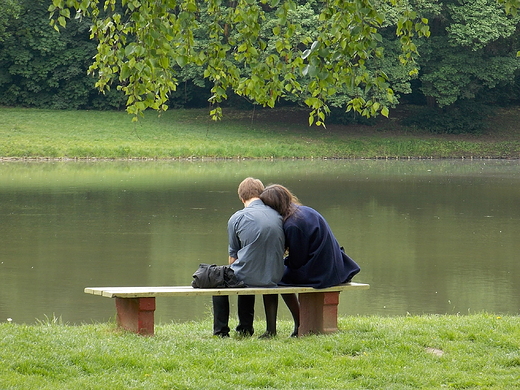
430 236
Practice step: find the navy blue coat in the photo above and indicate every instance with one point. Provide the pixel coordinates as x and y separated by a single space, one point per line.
315 258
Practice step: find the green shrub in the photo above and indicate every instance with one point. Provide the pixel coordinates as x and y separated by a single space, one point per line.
461 118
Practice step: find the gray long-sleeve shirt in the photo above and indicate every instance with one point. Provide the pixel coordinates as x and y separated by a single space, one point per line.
256 240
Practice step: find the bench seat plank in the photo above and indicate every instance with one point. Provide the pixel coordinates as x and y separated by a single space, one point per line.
170 291
135 306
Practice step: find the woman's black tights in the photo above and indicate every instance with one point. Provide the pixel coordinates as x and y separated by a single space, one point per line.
271 310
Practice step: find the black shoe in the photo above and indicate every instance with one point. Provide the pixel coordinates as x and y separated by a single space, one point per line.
221 334
267 335
245 332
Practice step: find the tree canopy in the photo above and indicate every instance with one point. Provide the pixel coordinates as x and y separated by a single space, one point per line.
143 44
10 9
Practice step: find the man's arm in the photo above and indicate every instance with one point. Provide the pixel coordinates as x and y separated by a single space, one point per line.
233 240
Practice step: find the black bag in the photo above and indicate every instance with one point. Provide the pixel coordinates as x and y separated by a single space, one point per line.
215 276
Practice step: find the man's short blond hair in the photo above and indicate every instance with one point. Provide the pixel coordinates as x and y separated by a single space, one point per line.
250 188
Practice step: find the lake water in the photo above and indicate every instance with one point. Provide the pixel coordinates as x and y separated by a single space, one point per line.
430 236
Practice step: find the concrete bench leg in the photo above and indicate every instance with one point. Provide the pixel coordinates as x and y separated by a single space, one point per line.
318 312
136 315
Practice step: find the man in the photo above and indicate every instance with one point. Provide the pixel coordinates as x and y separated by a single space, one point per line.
256 247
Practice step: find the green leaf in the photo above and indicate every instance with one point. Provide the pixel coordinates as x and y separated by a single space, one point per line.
125 72
65 13
164 62
129 49
313 71
181 60
191 7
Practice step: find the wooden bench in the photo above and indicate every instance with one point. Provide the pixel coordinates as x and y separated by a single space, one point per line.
136 305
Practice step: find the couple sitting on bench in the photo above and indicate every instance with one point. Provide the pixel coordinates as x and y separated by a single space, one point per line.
271 222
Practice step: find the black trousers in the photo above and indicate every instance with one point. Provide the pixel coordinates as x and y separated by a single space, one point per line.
246 313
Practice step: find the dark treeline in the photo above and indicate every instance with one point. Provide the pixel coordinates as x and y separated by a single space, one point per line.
467 67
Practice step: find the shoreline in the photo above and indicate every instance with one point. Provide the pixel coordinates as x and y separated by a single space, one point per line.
215 159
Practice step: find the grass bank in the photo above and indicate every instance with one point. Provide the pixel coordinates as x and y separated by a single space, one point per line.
480 351
280 133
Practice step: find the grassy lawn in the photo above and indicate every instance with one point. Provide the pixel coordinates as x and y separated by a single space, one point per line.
280 133
480 351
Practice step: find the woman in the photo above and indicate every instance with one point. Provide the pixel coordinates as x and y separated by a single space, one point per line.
315 257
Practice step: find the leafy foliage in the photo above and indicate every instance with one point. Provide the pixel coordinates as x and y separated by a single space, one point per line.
472 50
477 23
42 68
141 42
10 9
511 6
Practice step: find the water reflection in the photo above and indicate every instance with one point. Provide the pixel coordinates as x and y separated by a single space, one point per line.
430 236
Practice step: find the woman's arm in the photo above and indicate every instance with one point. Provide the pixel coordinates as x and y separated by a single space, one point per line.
298 245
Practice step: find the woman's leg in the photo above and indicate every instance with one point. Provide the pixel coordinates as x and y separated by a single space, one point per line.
291 300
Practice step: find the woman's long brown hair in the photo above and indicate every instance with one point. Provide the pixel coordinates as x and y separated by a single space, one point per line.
281 199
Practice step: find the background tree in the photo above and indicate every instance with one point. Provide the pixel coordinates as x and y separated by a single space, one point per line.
472 49
10 10
467 65
40 67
